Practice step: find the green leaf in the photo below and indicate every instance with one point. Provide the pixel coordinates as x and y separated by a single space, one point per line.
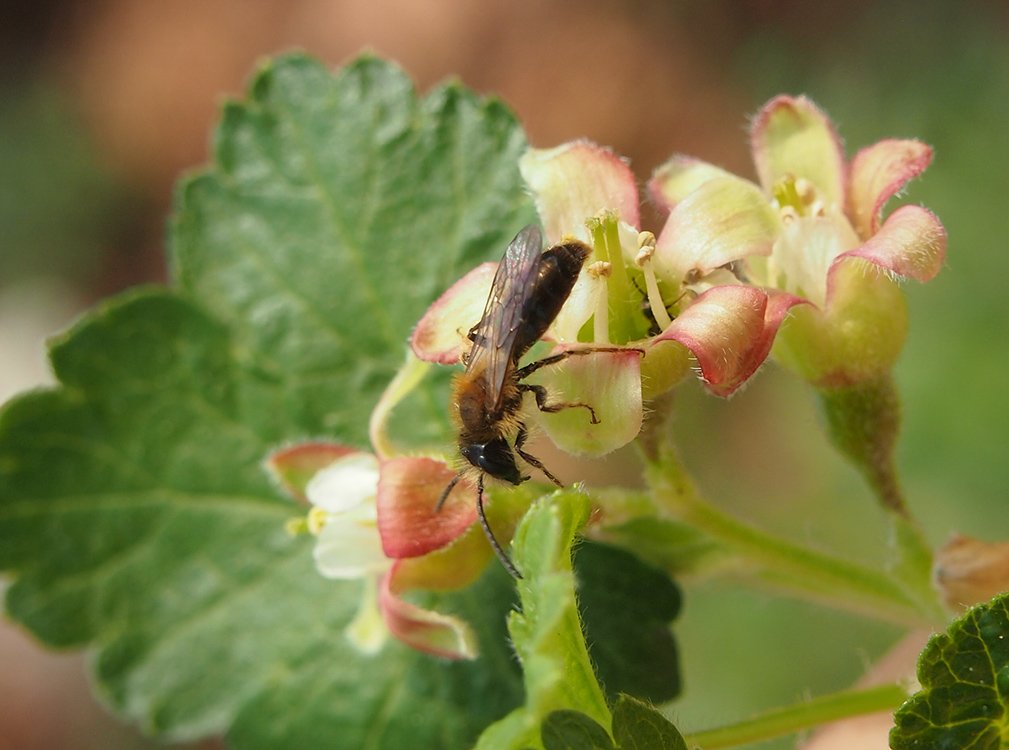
571 730
626 608
638 726
547 635
964 677
338 209
135 516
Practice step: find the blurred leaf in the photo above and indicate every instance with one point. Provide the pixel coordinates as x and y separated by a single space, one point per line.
571 730
626 609
546 633
134 512
638 726
964 676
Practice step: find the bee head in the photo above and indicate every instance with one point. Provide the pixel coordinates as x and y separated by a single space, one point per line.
494 457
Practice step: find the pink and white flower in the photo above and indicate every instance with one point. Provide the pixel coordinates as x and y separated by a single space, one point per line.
625 296
813 228
374 520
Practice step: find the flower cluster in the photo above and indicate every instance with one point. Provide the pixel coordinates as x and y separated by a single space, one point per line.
805 256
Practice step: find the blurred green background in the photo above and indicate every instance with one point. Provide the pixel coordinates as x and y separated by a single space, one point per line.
103 105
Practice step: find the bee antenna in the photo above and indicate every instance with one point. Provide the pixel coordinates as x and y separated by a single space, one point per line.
501 554
446 492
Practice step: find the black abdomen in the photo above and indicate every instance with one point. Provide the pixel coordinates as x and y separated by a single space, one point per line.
558 271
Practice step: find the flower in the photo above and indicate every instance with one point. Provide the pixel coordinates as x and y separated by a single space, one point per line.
374 520
814 228
623 297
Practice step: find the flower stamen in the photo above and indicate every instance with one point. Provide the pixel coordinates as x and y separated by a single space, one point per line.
646 249
599 272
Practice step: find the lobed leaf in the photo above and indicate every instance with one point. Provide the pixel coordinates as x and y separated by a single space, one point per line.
135 515
964 676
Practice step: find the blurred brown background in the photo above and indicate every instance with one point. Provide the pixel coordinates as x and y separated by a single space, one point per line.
103 104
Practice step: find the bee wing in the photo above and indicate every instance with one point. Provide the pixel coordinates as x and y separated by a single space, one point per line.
494 336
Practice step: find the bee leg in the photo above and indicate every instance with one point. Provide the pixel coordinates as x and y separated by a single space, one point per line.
520 440
501 554
446 492
523 372
541 402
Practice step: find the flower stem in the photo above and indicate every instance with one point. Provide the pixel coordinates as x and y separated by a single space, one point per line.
782 721
406 379
786 565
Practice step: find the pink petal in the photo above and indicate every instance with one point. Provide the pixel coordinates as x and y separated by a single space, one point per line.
911 243
727 218
577 181
459 564
609 382
441 334
791 136
730 330
877 174
408 492
293 467
423 629
679 177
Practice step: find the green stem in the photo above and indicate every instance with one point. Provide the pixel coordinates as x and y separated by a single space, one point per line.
863 423
797 569
782 721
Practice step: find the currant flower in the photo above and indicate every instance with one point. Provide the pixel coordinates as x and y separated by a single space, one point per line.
813 228
359 513
623 297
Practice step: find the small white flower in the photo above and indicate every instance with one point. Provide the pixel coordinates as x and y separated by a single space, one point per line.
349 546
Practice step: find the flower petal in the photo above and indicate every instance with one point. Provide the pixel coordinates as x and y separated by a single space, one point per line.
345 484
877 174
609 382
730 329
791 136
294 466
422 629
458 564
368 631
408 493
725 219
679 177
911 243
348 547
577 181
441 334
579 307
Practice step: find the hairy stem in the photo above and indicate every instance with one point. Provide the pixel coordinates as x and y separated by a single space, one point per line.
791 567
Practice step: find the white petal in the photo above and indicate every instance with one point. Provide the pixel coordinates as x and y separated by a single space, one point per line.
349 547
346 483
803 253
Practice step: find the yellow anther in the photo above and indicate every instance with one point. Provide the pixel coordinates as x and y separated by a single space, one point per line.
646 240
316 520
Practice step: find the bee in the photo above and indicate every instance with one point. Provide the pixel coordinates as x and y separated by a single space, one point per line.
529 289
